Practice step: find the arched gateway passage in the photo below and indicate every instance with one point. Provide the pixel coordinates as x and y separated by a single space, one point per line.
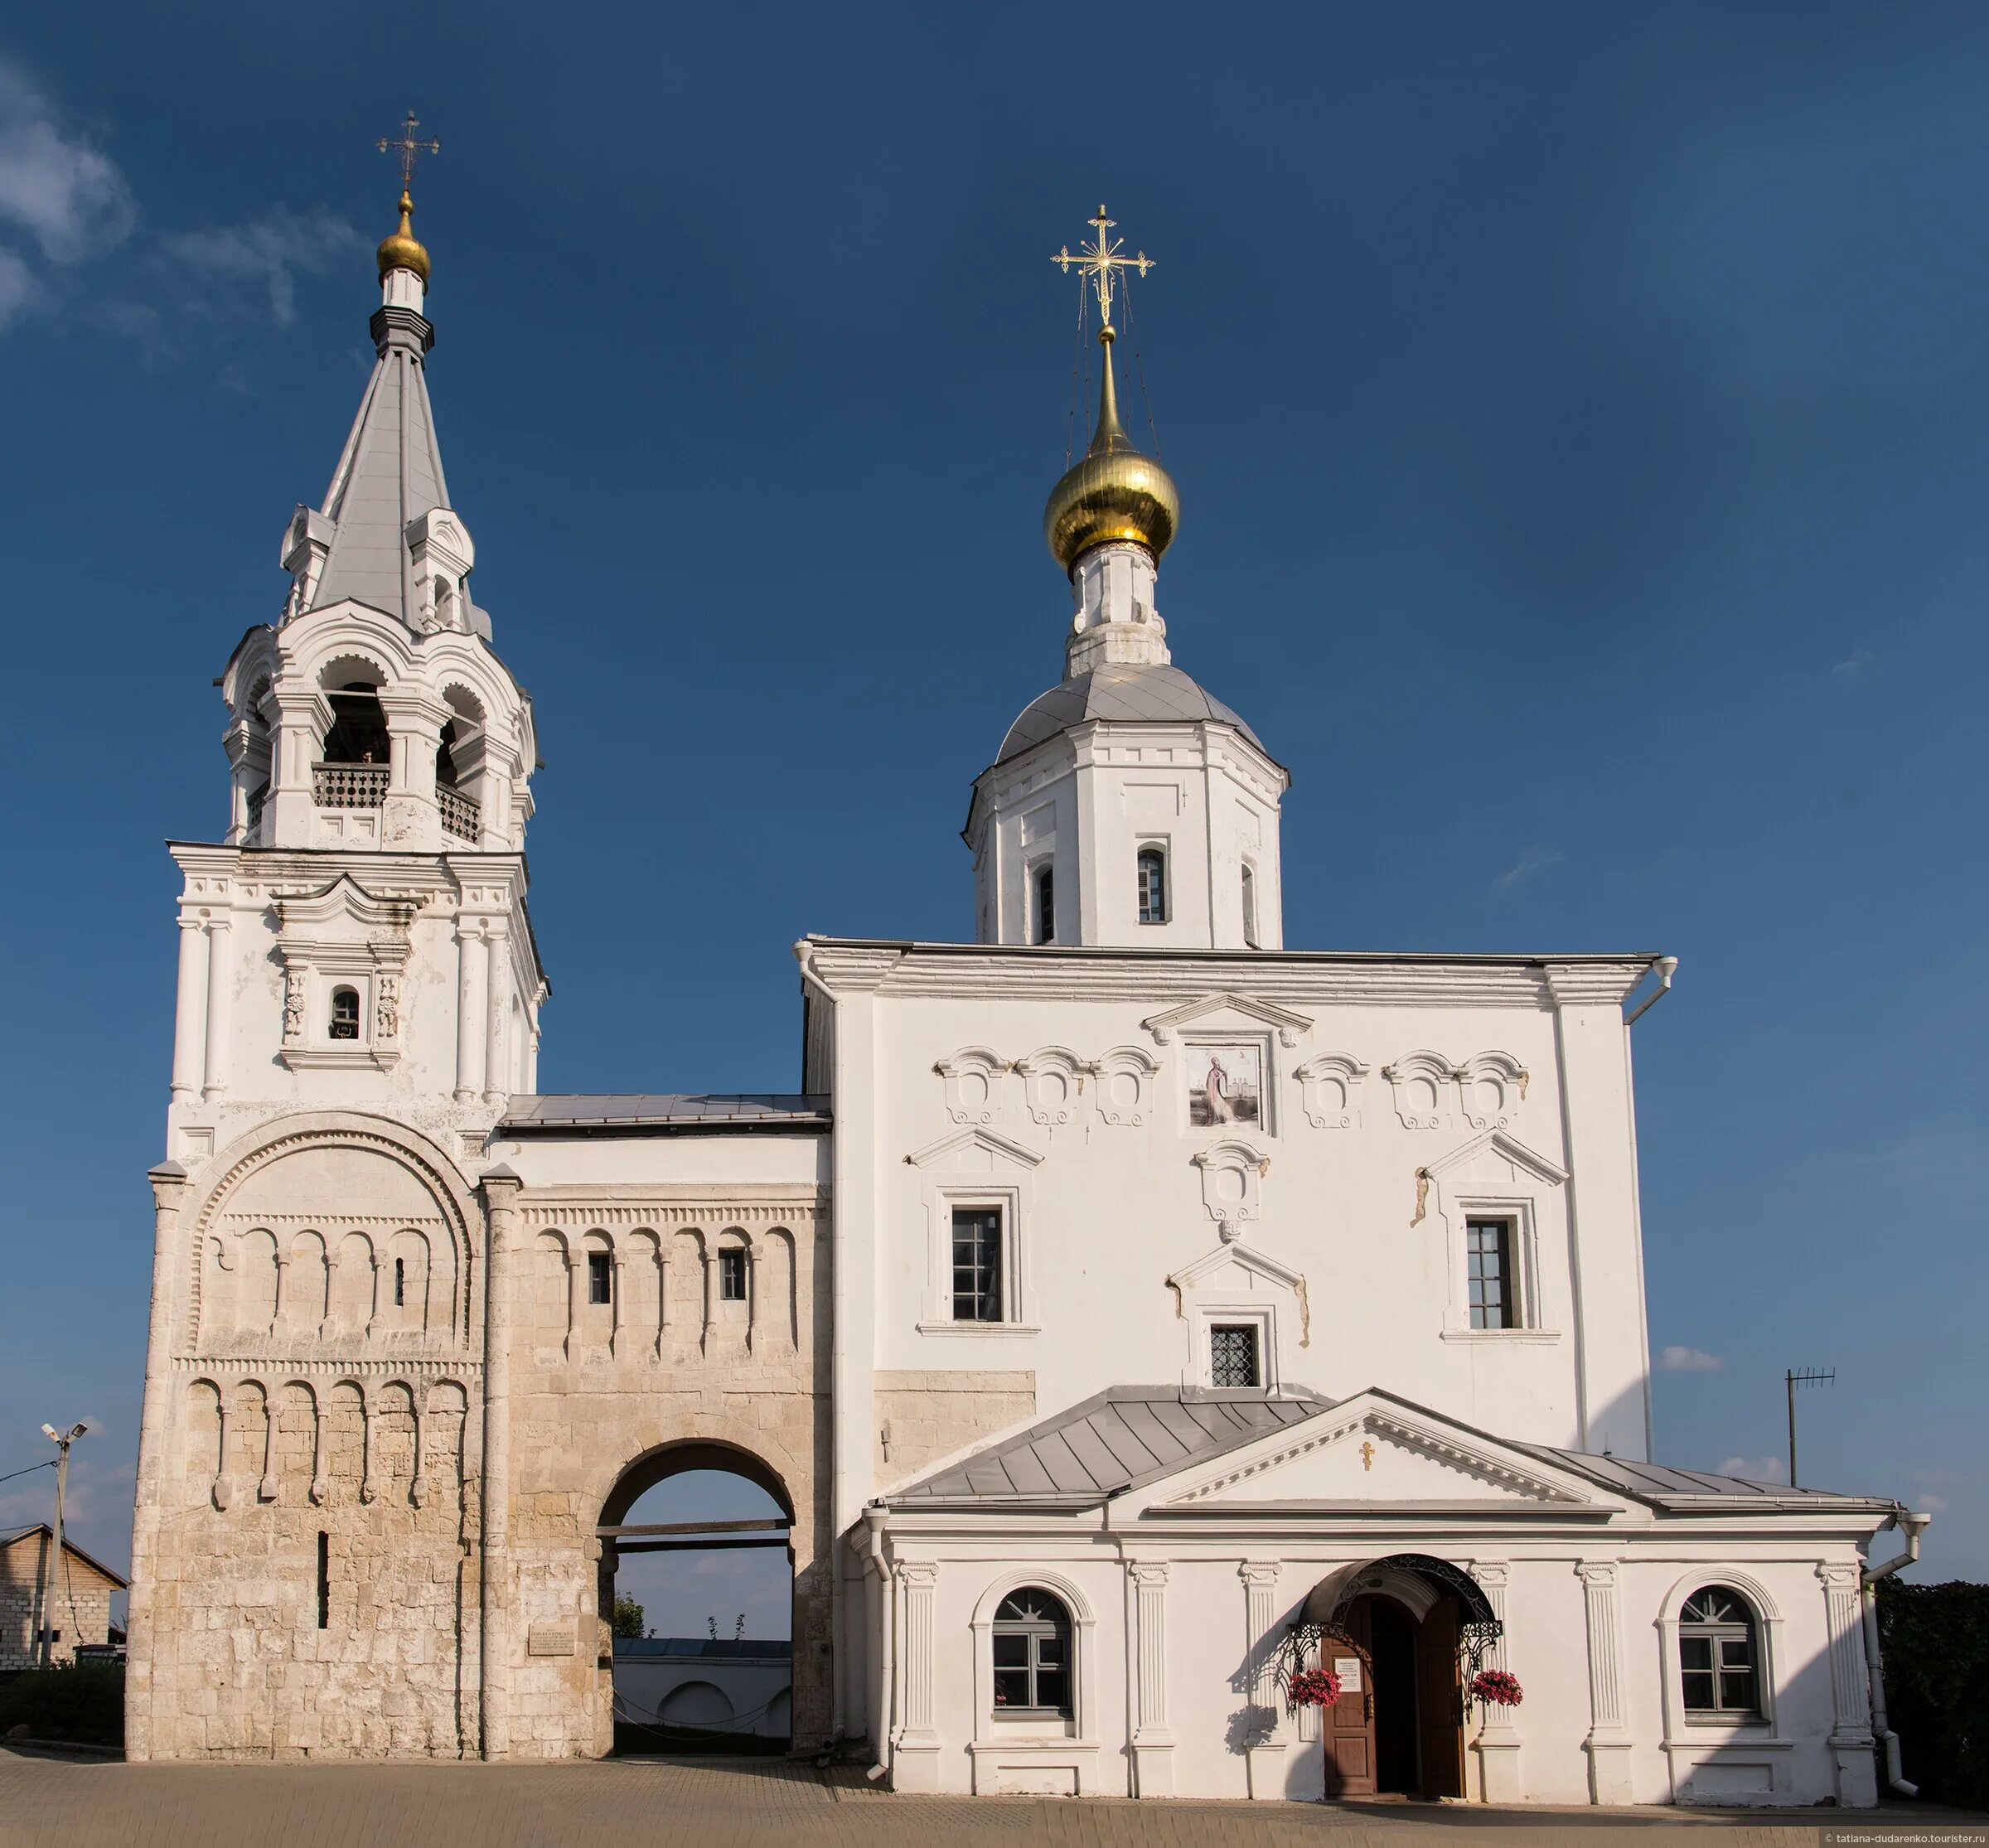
1404 1633
700 1681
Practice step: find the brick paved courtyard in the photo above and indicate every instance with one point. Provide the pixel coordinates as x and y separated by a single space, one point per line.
744 1803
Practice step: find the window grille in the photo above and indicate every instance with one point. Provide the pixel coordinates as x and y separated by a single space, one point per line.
1032 1640
1716 1656
345 1013
1232 1355
1153 886
977 1264
1488 1272
460 816
600 1277
732 1275
400 1283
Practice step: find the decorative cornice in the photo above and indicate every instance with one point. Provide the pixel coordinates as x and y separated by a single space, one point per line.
976 1138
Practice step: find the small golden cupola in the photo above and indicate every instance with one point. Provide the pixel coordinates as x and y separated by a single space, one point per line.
1113 494
403 249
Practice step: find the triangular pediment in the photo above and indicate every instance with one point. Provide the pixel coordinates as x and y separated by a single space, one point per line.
1496 1145
1212 1269
1228 1010
973 1152
1374 1449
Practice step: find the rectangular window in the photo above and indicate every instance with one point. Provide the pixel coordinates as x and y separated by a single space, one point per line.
600 1277
732 1275
1488 1272
977 1264
324 1581
1153 886
1232 1355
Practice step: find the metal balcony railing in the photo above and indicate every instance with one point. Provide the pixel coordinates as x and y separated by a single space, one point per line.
349 786
460 816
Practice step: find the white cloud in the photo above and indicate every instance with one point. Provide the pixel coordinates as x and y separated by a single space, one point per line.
1852 665
1753 1470
1931 1504
1534 861
1689 1360
220 270
68 195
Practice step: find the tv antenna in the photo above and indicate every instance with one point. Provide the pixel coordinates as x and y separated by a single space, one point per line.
1803 1377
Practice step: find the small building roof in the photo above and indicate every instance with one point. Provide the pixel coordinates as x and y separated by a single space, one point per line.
13 1536
1128 1436
707 1649
662 1113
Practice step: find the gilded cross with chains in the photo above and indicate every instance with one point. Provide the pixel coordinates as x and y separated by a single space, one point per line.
410 146
1099 258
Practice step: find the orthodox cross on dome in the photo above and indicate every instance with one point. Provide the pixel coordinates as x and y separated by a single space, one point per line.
1098 259
410 147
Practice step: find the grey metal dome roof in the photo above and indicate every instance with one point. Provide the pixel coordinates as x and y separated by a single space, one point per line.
1128 691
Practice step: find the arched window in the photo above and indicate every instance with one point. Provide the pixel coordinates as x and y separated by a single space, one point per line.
1033 1654
1046 905
1717 1657
345 1013
359 726
1250 909
1153 886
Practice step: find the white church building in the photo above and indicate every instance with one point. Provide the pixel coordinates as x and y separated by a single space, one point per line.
1128 1313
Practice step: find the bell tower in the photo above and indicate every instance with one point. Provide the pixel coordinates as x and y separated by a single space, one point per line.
1126 807
359 936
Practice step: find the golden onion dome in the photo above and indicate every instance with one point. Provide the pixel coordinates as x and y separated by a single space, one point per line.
1114 495
404 250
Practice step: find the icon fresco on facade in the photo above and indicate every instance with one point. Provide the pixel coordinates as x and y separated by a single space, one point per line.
1225 1085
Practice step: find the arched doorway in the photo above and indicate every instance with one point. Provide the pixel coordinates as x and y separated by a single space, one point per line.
1398 1631
697 1570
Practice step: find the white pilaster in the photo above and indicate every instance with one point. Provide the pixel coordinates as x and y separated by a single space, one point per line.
496 991
915 1764
221 941
1265 1753
1609 1741
1850 1739
1497 1742
1152 1743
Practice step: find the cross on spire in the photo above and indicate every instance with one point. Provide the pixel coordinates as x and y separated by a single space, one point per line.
410 146
1098 259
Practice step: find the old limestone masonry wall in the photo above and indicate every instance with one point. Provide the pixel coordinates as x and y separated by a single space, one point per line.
600 1392
314 1380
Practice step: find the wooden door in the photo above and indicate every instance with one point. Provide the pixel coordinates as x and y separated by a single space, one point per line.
1439 1700
1346 1727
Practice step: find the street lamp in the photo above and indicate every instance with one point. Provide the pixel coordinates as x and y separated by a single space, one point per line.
61 1440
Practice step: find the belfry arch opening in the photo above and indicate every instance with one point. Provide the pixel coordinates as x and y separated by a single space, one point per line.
696 1581
1405 1634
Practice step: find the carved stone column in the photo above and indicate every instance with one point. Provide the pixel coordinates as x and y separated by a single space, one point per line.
576 1303
220 939
501 1190
915 1764
1609 1741
155 1458
1851 1733
1152 1743
1265 1753
190 1014
469 1009
496 988
1497 1743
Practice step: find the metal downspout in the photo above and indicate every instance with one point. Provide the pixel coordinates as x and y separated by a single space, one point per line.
1911 1526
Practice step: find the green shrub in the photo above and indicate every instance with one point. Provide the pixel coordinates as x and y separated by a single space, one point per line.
81 1702
1935 1642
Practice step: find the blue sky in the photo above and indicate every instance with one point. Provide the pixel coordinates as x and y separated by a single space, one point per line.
1582 420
